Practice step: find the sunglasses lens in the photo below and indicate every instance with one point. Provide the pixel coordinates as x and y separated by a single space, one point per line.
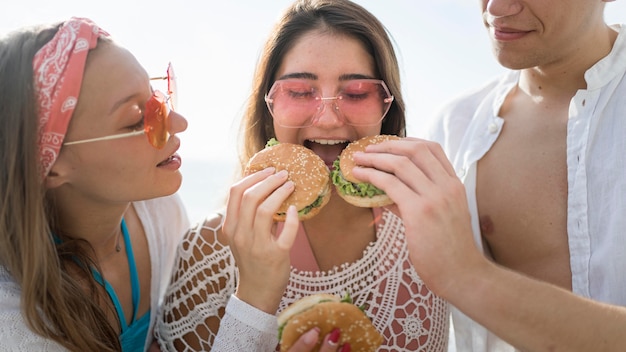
156 120
297 103
172 89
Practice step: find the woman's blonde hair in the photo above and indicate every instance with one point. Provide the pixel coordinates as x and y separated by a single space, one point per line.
60 299
341 17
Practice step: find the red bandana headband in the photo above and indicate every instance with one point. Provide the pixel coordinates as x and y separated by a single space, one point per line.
58 71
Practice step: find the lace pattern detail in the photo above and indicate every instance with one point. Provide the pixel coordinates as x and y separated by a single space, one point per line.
201 287
409 316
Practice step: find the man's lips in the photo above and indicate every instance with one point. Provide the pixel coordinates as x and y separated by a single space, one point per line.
507 34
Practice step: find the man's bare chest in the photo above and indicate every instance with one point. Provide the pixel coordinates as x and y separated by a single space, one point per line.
522 198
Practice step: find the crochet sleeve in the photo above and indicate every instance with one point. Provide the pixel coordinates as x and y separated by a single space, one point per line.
194 315
245 328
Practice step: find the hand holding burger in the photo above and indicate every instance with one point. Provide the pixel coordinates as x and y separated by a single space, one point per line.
352 190
328 312
306 170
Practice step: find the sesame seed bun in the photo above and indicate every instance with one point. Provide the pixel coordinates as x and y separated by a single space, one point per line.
346 164
306 170
328 312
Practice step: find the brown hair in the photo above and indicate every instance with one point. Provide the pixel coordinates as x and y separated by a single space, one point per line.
59 299
340 17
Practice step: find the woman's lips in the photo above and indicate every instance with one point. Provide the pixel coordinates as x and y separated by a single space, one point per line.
173 162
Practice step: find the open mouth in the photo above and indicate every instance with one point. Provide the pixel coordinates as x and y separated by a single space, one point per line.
328 150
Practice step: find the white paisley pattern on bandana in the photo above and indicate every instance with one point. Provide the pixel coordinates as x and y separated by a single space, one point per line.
58 73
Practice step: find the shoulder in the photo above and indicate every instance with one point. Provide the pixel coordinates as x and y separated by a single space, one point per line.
451 121
462 106
205 238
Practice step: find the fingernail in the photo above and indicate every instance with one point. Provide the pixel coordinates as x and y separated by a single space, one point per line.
282 173
345 348
311 336
334 336
269 170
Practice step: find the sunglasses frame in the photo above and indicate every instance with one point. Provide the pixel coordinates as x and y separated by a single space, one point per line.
324 100
157 100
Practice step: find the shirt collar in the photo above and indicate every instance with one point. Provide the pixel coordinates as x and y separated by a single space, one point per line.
605 70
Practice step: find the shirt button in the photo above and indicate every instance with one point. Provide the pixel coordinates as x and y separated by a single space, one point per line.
493 127
461 172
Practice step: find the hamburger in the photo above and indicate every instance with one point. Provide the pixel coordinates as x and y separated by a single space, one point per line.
352 190
328 312
307 171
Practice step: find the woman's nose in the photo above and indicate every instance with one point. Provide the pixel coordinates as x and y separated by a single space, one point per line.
328 113
177 122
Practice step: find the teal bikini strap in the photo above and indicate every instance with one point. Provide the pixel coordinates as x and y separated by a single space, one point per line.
134 276
111 292
134 281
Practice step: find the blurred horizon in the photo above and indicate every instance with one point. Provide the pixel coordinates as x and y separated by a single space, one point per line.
441 46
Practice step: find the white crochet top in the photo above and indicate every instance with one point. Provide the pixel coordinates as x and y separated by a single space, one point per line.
401 307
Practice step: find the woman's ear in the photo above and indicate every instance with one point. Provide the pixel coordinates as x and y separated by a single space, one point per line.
57 176
52 180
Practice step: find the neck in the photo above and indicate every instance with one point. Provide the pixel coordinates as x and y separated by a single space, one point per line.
96 223
333 217
565 75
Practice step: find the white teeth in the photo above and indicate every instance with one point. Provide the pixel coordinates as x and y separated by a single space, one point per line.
329 141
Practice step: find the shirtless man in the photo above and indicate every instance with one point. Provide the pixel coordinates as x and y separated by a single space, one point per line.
541 153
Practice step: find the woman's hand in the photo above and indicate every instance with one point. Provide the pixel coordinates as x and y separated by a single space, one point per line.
262 255
308 340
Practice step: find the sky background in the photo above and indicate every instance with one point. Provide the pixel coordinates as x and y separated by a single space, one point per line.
214 45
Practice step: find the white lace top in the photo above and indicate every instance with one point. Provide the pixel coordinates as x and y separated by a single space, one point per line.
401 307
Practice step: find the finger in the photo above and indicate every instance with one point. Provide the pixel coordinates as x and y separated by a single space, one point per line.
290 229
307 341
251 202
409 144
270 205
404 153
378 167
396 190
330 343
426 154
236 193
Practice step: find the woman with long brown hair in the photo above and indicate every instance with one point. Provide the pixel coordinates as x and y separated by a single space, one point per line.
87 220
337 68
